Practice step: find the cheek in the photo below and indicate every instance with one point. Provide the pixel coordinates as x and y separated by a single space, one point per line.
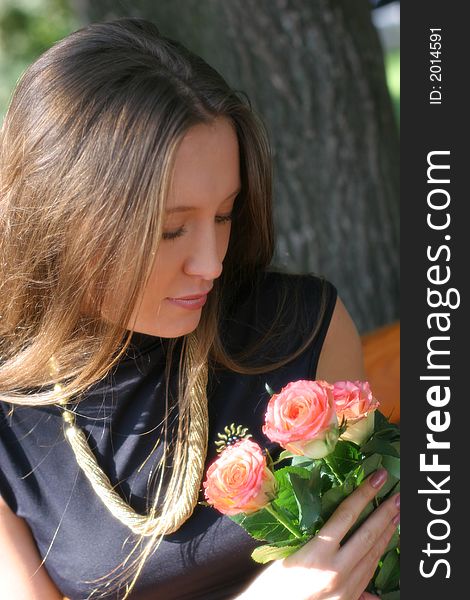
170 255
161 277
223 240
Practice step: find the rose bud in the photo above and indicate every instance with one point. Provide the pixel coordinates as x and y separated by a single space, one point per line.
302 418
354 401
239 480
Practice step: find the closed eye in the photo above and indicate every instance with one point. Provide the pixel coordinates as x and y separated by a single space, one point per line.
171 235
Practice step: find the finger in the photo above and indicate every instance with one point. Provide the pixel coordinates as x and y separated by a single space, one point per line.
362 573
369 532
367 596
349 510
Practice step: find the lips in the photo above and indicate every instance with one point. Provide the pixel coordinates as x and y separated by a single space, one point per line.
193 303
194 297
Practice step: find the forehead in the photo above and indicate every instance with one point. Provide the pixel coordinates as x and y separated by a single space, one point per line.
206 167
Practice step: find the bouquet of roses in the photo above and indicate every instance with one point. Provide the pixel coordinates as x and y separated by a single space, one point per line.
333 437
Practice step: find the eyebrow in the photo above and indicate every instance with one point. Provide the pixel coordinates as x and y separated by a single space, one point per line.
178 209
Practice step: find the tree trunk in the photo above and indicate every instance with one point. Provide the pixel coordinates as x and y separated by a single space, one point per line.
314 72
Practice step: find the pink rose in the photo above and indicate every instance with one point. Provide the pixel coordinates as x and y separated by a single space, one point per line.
354 401
302 418
239 480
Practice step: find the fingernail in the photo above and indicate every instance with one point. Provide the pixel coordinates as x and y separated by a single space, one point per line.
397 501
378 478
396 519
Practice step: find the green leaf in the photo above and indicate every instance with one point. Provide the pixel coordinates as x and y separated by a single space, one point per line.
264 554
380 421
391 595
379 446
371 464
344 457
281 474
387 437
308 503
286 454
393 543
314 483
269 389
388 577
285 498
381 424
392 464
263 526
303 461
331 500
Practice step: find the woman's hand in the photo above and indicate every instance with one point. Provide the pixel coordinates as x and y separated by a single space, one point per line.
324 570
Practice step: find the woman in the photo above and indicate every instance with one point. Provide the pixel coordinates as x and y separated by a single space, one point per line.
134 178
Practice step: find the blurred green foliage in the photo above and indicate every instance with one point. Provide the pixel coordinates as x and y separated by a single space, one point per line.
392 69
27 28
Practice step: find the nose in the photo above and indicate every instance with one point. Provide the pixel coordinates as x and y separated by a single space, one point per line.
206 256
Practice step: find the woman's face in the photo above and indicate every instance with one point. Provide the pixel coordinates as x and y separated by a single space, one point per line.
196 230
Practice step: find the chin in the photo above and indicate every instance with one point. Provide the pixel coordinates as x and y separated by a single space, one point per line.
180 328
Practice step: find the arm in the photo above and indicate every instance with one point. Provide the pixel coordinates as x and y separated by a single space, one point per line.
20 560
341 355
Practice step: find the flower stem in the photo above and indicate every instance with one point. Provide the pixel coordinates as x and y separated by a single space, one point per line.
332 469
274 511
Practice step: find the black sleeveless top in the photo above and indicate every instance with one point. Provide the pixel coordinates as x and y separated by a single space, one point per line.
208 558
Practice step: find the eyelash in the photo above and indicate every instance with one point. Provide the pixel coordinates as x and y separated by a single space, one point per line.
171 235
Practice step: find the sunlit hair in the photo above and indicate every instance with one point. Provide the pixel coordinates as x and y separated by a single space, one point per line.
87 151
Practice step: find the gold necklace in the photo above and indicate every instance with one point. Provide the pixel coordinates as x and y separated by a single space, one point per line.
197 440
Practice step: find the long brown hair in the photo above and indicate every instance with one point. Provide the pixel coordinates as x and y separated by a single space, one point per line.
87 150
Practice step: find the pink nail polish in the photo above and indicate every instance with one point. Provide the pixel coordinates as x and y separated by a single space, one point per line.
396 519
397 501
378 478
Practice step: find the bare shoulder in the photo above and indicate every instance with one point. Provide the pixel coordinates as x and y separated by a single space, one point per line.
5 509
22 574
341 355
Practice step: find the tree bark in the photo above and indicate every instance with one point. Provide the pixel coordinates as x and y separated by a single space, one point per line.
314 72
